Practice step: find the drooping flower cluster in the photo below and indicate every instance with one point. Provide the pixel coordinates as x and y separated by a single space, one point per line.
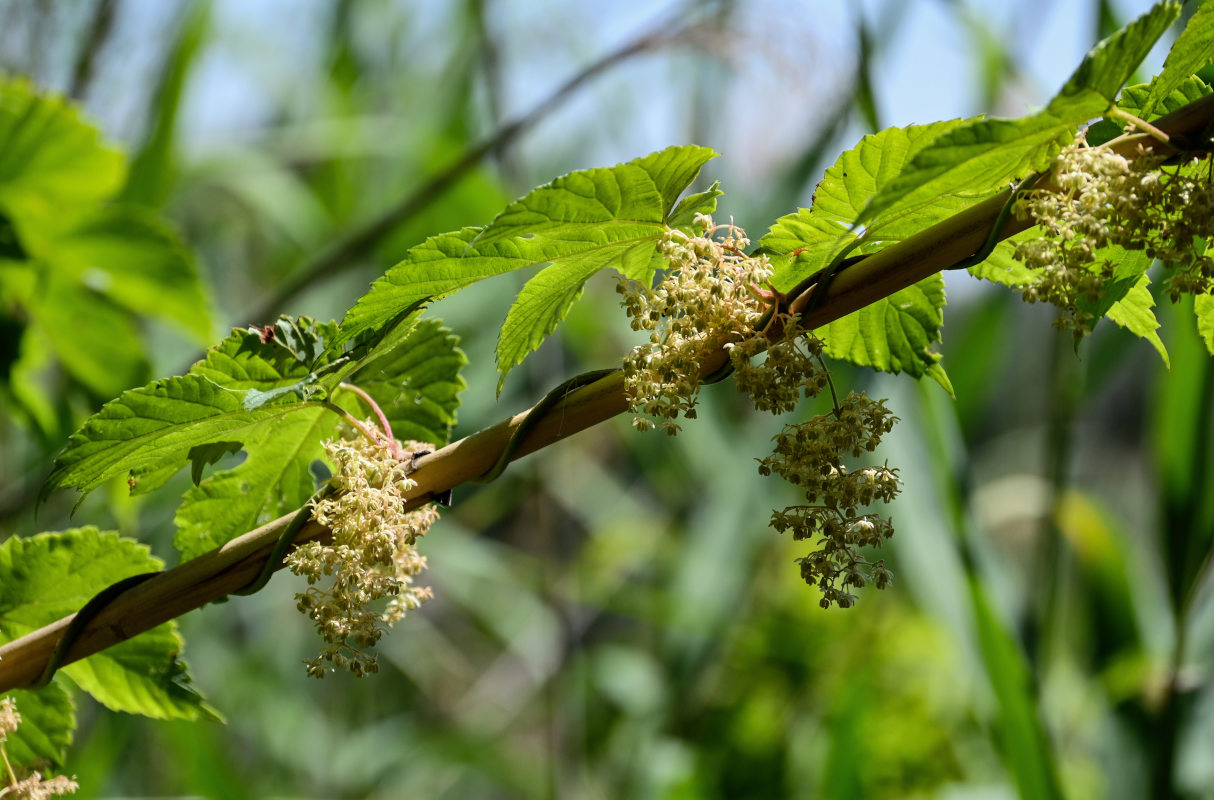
810 455
710 297
713 297
33 786
1102 199
372 555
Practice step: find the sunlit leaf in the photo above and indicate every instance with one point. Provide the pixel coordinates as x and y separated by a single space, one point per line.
1194 48
53 165
1203 306
577 224
1133 312
986 154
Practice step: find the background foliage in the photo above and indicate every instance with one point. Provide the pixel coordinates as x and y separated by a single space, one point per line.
612 618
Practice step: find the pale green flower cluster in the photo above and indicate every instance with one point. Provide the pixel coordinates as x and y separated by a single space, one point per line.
709 297
33 786
810 455
713 297
1103 198
372 554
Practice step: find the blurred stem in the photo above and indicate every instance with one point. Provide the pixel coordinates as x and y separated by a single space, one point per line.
1177 697
98 34
495 89
1063 390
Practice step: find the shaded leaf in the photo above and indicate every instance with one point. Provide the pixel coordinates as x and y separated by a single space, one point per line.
417 386
132 257
204 454
48 719
51 575
1134 99
1203 306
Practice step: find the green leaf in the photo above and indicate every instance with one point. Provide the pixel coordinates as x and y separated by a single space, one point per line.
133 258
578 224
52 163
96 341
48 718
1203 307
1134 100
149 432
704 202
154 427
417 386
1002 267
437 267
895 333
1133 312
1108 65
273 480
144 676
205 454
975 159
51 575
815 234
1194 48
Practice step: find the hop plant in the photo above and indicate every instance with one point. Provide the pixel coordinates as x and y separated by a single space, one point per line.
1103 198
708 298
372 555
33 786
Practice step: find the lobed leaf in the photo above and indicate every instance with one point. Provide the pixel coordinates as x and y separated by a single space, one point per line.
152 429
815 234
1194 49
895 333
51 575
983 155
417 386
53 164
577 224
1134 100
48 719
1133 312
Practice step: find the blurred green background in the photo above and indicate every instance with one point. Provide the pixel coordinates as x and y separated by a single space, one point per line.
612 617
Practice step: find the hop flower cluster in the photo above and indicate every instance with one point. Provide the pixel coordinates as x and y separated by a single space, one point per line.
710 297
810 455
372 555
1102 199
792 369
33 786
